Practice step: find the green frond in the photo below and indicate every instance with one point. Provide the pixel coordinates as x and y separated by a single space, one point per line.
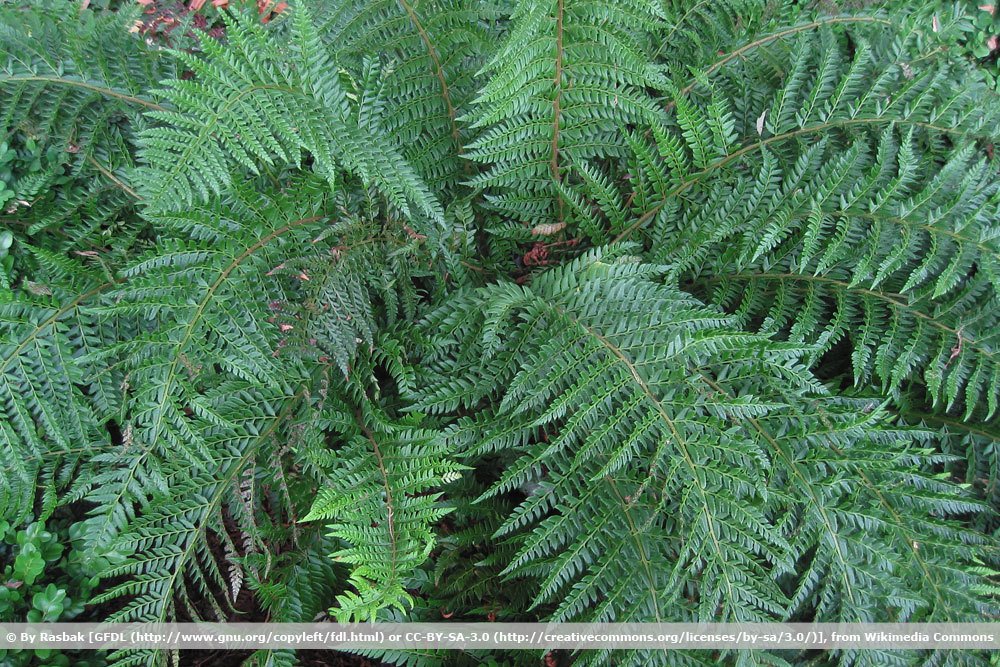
838 244
197 320
170 567
567 76
649 458
245 110
65 81
534 310
382 500
75 90
52 404
424 82
841 97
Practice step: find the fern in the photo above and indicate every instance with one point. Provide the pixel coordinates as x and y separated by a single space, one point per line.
547 310
652 466
190 287
845 245
378 500
79 89
168 560
420 90
567 75
844 232
240 103
52 405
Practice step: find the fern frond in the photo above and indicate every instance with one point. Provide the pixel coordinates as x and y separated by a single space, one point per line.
870 240
568 75
52 404
650 463
77 87
170 568
195 292
382 500
826 93
64 80
267 296
422 87
245 109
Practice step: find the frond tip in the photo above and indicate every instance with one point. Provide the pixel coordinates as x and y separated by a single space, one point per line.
383 504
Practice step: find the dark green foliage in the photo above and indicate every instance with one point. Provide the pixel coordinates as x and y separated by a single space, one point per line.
669 430
244 106
74 94
548 309
386 467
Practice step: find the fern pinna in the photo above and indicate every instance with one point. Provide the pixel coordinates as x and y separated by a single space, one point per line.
521 310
